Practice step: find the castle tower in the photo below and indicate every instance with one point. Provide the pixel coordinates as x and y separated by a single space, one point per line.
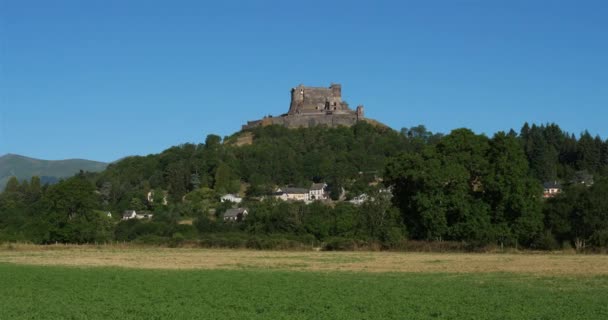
360 114
297 98
310 100
336 90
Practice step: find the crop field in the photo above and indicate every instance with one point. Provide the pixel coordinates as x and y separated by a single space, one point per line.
57 282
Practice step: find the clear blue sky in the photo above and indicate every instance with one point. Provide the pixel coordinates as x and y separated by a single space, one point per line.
106 79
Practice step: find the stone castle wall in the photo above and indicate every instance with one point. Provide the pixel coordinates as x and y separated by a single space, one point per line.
316 99
306 121
314 106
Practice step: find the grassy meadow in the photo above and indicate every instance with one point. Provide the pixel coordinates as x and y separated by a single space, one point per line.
132 283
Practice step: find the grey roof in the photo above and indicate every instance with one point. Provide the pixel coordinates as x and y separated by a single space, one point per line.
234 212
294 190
552 185
128 213
318 186
583 177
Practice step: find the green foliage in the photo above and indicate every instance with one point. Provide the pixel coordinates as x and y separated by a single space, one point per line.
200 201
163 229
204 224
511 193
137 204
462 187
580 213
380 220
69 213
556 155
225 179
12 185
342 157
467 187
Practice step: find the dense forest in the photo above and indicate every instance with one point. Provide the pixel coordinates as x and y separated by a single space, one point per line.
461 188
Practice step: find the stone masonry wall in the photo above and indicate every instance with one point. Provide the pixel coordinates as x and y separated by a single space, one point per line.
314 106
307 120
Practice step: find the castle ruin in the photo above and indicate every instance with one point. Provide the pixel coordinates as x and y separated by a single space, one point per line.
312 106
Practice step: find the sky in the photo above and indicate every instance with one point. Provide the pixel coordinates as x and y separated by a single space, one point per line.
102 80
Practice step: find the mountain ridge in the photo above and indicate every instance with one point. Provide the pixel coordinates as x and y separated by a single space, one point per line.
24 167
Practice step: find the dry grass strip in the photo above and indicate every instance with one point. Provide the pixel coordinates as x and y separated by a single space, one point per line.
565 264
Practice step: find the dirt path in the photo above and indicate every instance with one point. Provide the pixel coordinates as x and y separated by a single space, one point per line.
168 258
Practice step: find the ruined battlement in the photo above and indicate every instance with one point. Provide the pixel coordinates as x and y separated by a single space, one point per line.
312 106
315 99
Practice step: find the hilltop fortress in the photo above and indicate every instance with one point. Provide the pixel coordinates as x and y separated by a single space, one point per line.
312 106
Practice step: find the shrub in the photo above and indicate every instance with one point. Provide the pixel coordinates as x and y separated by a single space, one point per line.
600 238
339 244
176 240
544 241
151 239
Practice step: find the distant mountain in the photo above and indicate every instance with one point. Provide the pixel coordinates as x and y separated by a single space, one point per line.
49 171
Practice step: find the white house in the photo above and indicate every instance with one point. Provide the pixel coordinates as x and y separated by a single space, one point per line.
132 214
129 214
235 214
231 198
551 189
359 199
295 194
144 216
317 191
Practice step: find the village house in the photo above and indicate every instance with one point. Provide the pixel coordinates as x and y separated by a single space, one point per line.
146 215
583 178
317 191
551 189
387 193
231 198
132 214
235 214
129 214
383 193
358 200
294 194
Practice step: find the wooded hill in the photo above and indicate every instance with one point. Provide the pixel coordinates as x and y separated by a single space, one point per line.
460 187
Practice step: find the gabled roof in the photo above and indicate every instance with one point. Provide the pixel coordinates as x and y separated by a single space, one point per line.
552 185
128 213
362 196
230 213
294 190
318 186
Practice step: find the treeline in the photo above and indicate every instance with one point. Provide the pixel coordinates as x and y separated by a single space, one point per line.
471 188
459 188
556 155
68 213
65 212
579 216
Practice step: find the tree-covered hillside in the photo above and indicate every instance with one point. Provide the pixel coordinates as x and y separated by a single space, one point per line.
342 157
462 187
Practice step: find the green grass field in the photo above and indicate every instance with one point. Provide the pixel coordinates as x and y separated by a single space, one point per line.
53 292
